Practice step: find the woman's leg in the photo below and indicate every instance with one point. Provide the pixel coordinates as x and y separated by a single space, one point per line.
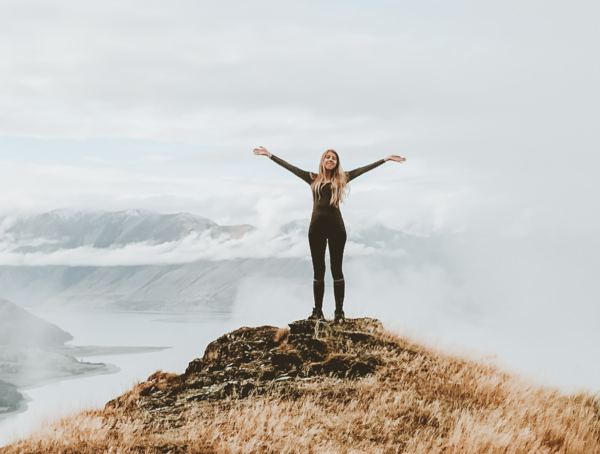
337 242
339 288
318 292
318 242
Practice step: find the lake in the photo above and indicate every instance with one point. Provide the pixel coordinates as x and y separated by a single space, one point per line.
186 335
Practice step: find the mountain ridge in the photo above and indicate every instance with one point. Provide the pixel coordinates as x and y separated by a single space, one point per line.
66 229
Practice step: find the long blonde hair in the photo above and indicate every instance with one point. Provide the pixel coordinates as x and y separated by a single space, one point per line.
339 181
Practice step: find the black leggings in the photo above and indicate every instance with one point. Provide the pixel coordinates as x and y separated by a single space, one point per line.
318 237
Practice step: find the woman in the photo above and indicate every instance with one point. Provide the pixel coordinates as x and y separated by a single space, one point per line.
329 188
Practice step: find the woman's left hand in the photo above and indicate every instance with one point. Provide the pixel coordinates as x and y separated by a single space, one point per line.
395 157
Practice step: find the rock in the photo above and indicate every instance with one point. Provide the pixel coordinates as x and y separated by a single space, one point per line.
195 366
324 328
286 361
346 366
251 361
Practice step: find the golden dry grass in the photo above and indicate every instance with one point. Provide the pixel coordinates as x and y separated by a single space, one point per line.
419 401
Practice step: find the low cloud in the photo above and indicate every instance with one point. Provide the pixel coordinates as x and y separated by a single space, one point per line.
196 246
531 302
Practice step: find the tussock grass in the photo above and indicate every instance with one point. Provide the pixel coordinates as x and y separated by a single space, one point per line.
420 400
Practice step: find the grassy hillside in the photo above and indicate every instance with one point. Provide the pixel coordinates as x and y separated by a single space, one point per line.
322 388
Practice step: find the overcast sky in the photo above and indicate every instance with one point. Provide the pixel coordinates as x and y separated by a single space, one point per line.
157 105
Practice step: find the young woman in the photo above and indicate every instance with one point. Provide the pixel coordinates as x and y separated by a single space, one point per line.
329 188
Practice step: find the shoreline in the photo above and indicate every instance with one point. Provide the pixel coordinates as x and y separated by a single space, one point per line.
23 405
82 352
106 370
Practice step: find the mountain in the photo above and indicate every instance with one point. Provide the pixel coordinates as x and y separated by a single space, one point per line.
182 287
19 327
200 285
193 286
321 387
64 229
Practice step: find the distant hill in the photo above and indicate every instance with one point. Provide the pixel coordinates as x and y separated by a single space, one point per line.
27 357
19 327
10 398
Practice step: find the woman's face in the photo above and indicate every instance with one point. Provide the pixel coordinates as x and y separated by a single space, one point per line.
330 160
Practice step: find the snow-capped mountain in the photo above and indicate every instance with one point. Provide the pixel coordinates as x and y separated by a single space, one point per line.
60 229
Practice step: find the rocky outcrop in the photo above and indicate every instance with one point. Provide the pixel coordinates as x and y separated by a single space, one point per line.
252 361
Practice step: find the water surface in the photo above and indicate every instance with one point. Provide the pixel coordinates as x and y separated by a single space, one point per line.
186 335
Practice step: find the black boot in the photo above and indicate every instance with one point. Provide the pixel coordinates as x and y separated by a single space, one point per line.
318 291
338 293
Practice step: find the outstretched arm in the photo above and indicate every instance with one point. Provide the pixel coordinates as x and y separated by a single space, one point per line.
262 151
358 172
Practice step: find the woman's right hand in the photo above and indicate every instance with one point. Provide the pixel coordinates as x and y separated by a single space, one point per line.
262 151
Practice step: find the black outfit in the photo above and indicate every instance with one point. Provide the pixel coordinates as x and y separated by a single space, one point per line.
326 226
